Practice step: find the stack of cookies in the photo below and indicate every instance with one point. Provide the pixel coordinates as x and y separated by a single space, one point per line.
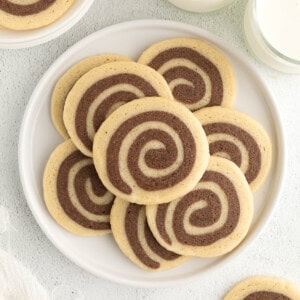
155 154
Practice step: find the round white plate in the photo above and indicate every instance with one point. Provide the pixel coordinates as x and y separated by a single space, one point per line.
100 255
11 39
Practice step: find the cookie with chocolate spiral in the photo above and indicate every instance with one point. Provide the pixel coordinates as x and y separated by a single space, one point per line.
264 288
134 238
28 14
150 151
209 221
101 91
235 136
74 194
67 81
198 74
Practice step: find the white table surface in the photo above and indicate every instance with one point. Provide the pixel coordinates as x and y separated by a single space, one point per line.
275 252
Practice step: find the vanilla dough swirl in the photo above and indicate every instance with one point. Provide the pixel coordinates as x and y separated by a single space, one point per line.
210 220
27 9
239 138
101 91
156 148
132 234
29 14
264 288
67 81
74 194
198 74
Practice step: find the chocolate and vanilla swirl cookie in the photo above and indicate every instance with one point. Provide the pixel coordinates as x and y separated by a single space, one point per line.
198 74
134 238
67 81
31 14
101 91
239 138
264 288
74 194
150 151
209 221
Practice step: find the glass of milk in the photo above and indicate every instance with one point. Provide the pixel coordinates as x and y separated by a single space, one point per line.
200 5
272 29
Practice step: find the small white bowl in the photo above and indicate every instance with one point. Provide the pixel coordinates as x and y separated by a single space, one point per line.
12 39
200 6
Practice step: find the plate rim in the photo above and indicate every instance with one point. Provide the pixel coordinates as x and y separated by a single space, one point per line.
272 105
78 15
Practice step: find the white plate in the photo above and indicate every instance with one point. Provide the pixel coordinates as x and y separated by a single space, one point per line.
11 39
38 138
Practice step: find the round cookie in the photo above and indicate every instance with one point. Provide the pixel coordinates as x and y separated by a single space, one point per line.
150 151
134 238
264 288
198 74
209 221
239 138
101 91
74 195
67 81
28 14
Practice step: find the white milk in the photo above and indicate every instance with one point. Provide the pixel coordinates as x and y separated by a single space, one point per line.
279 21
200 5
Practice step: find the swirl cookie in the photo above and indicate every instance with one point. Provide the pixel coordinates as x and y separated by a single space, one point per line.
67 81
198 74
239 138
264 288
209 221
134 238
150 151
28 14
102 90
73 193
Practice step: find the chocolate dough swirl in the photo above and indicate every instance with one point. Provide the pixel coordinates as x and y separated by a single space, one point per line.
104 108
193 91
132 229
27 9
204 217
85 174
234 153
265 295
154 158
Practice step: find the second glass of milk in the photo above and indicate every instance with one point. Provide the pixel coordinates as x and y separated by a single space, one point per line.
272 29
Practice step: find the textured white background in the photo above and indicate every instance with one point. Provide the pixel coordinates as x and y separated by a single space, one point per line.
275 252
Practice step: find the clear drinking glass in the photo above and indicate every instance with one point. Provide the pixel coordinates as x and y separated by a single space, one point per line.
261 44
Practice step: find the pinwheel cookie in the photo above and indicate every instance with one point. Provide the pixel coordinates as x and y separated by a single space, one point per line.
73 193
102 90
209 221
198 74
67 81
150 151
28 14
133 236
264 288
239 138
